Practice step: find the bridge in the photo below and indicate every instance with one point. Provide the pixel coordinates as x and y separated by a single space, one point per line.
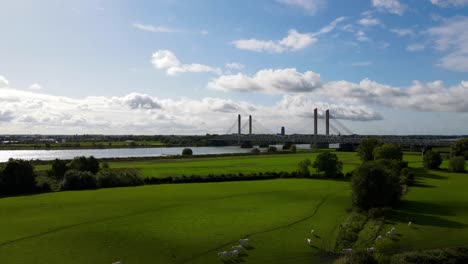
343 135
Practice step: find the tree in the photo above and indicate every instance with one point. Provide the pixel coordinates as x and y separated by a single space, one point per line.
388 151
58 169
17 177
329 164
187 152
78 180
366 148
303 167
293 148
272 149
457 164
432 160
376 184
82 163
460 148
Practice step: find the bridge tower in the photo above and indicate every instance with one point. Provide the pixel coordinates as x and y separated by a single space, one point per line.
327 122
239 124
315 122
250 125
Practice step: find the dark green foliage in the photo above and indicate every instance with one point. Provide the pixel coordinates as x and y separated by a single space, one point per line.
434 256
460 148
58 170
388 151
82 163
78 180
255 150
328 164
358 258
457 164
366 148
303 167
118 178
104 165
187 152
45 184
376 184
293 148
379 212
272 149
17 177
432 160
407 177
349 230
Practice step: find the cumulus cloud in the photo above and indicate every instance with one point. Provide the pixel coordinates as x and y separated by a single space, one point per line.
268 81
3 82
6 115
402 32
168 61
451 37
368 22
35 86
391 6
139 101
234 66
415 47
153 28
310 6
292 42
448 3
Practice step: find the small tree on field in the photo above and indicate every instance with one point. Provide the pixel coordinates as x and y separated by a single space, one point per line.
17 177
78 180
457 164
187 152
388 151
460 148
329 164
375 184
82 163
432 160
293 148
58 169
366 148
303 167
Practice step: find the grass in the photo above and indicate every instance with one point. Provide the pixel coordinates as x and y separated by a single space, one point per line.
186 223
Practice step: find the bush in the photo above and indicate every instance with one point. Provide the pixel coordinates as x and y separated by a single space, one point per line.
255 150
433 256
432 160
78 180
187 152
104 165
303 167
113 178
376 184
328 164
272 149
379 212
58 169
460 148
45 184
349 230
388 151
366 149
407 177
82 163
293 148
358 258
17 177
457 164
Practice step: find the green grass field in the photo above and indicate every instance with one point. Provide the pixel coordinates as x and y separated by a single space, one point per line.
190 223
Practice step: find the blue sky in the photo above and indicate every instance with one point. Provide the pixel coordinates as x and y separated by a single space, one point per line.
382 66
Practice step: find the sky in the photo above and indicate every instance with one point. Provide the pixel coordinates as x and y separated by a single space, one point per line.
190 67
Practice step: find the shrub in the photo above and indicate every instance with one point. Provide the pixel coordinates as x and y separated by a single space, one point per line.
328 164
366 148
78 180
17 177
388 151
457 164
407 177
293 148
82 163
255 150
112 178
460 148
358 258
349 230
104 165
432 160
45 184
187 152
58 169
272 149
303 167
433 256
379 212
375 184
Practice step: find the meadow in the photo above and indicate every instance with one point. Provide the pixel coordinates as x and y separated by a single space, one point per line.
190 223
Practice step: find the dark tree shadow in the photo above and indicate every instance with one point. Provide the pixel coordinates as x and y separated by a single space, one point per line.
416 207
426 220
423 173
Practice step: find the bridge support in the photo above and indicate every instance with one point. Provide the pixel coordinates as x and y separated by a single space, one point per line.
239 124
327 122
250 125
315 122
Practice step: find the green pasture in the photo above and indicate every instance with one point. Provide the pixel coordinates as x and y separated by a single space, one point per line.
180 223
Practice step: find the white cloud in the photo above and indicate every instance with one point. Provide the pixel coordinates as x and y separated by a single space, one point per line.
402 32
168 61
3 82
268 81
310 6
292 42
153 28
415 47
447 3
6 115
391 6
451 37
35 86
368 22
234 66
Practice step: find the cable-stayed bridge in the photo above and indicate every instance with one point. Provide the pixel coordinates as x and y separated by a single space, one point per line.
256 132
